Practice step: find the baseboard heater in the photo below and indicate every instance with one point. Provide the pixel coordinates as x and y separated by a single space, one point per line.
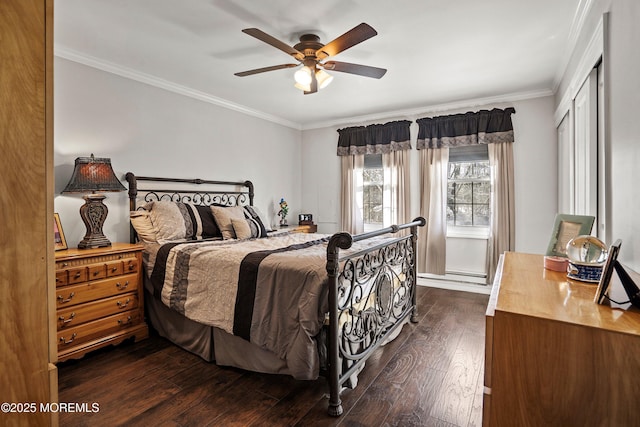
455 277
465 273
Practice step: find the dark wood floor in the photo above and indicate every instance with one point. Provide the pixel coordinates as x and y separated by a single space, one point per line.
431 375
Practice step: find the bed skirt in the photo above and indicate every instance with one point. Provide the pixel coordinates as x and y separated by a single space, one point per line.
199 339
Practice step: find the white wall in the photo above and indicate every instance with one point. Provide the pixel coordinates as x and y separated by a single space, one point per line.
623 90
535 169
154 132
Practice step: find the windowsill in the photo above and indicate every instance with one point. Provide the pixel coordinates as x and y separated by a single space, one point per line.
481 233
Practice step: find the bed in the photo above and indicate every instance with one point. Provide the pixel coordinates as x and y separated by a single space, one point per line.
219 283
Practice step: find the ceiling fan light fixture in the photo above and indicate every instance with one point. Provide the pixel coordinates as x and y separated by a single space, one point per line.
323 78
303 76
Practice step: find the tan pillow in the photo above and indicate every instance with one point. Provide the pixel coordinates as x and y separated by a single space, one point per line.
168 221
223 216
241 228
141 222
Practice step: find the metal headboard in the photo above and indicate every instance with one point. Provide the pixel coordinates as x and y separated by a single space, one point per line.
187 190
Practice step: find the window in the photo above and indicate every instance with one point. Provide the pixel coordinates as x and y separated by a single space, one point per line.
373 186
468 187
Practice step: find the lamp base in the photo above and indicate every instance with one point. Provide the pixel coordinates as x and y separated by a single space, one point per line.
93 214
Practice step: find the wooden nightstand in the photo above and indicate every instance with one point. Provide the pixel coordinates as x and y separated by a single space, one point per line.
313 228
310 228
99 298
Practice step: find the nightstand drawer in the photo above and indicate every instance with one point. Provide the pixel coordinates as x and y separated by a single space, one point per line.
79 314
77 275
70 337
115 268
62 278
76 294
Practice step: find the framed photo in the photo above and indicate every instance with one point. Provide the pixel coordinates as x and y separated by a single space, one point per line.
607 272
58 234
565 228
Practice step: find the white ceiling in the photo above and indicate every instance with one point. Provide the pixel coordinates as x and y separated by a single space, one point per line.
437 52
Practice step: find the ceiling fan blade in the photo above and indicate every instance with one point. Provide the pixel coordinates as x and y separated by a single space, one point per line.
356 35
262 36
361 70
265 69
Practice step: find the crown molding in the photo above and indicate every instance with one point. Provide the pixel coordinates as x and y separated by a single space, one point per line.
109 67
158 82
577 25
412 114
588 60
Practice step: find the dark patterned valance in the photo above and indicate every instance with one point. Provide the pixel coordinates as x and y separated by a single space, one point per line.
483 127
374 139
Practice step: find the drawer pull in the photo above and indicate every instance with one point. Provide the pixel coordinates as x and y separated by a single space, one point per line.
95 273
123 305
64 321
64 340
132 266
121 286
114 269
78 274
124 322
61 299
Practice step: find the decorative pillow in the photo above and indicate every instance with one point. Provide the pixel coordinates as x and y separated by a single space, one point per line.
223 216
141 222
171 221
241 228
204 225
258 228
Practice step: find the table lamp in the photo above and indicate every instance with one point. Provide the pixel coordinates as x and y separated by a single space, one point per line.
93 174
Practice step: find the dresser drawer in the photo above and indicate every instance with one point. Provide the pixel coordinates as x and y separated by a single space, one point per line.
78 314
115 268
71 337
70 276
76 294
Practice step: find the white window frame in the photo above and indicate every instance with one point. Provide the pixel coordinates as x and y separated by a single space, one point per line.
468 231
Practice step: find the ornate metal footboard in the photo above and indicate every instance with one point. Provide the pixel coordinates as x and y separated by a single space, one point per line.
371 294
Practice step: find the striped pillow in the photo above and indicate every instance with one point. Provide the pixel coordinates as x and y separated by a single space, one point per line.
181 221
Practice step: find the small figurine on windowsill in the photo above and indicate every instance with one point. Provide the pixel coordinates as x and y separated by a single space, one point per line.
282 213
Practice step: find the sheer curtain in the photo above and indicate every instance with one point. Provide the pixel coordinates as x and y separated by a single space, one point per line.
396 194
502 233
492 127
433 207
351 193
392 140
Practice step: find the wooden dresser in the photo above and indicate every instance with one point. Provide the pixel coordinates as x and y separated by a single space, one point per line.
553 357
99 298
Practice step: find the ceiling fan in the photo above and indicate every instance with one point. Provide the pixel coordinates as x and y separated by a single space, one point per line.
310 52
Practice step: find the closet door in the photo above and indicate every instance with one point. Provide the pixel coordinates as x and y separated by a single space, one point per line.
603 230
27 285
586 147
566 196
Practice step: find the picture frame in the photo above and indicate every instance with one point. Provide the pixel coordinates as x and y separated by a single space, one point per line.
565 228
607 272
58 234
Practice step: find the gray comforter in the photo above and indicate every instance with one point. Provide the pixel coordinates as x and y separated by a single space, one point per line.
270 291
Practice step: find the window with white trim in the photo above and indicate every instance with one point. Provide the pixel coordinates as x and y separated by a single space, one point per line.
468 188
